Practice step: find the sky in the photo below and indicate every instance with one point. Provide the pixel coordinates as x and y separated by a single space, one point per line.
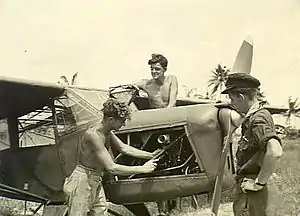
109 42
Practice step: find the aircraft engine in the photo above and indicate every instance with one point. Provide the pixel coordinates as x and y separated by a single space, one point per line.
177 157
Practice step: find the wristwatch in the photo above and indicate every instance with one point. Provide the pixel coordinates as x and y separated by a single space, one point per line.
260 184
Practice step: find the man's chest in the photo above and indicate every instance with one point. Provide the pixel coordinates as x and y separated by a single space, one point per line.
154 89
246 145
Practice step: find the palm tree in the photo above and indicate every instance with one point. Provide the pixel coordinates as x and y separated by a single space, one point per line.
74 79
192 92
217 82
262 97
64 80
293 110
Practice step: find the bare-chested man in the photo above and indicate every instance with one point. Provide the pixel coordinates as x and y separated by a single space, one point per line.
162 90
84 188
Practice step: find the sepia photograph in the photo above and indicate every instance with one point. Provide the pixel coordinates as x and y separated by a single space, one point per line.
149 108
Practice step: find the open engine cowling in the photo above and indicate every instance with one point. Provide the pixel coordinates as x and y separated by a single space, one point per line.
192 137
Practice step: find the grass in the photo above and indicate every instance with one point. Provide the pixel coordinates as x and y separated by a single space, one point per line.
10 207
287 180
286 199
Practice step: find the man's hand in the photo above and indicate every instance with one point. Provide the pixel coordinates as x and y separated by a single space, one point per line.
150 166
249 184
133 86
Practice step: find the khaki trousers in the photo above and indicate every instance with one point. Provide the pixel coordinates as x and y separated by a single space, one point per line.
85 193
259 203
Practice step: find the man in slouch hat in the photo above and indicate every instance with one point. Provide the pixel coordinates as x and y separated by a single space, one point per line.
259 148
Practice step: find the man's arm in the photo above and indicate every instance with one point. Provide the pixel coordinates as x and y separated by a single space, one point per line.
103 156
270 161
129 150
141 84
173 92
265 135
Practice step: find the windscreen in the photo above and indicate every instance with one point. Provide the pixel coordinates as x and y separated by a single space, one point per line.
84 105
75 108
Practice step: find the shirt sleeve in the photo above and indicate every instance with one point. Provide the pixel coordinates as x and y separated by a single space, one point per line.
263 130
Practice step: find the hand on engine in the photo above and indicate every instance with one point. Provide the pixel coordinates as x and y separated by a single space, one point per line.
150 165
156 152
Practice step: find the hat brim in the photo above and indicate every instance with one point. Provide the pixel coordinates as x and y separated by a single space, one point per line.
227 90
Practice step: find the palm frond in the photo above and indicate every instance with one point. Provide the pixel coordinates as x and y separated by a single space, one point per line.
218 78
65 80
74 78
212 81
215 89
215 73
296 100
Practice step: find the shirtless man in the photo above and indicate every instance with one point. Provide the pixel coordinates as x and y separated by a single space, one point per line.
84 187
162 90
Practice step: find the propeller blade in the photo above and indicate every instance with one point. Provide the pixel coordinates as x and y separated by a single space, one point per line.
243 61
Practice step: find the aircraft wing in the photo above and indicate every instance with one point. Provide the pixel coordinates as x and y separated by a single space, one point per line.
275 109
142 102
19 97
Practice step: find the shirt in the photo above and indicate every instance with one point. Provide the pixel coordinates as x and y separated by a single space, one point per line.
257 129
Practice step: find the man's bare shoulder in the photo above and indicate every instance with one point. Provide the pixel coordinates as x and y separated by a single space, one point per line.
141 83
91 135
148 81
172 78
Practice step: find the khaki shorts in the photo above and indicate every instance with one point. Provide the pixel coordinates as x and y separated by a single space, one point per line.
85 193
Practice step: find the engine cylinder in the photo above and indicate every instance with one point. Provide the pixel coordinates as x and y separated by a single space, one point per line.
163 139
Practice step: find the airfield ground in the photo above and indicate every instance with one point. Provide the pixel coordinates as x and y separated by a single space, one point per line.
286 180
